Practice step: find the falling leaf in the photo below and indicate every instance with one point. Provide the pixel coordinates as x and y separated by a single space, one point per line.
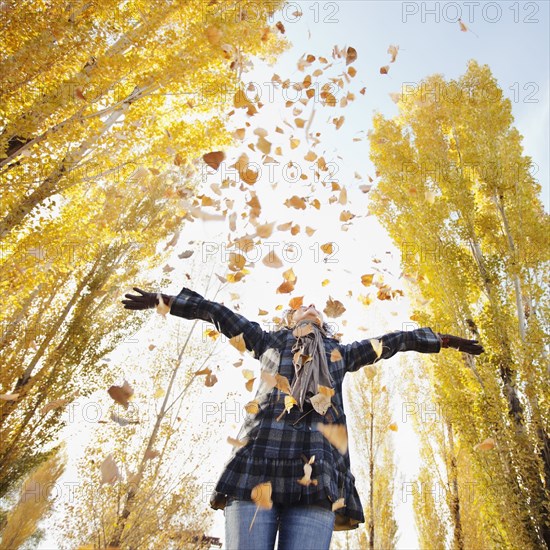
252 407
248 374
296 202
392 50
320 403
351 55
272 260
335 355
376 346
366 280
268 379
336 434
210 380
289 403
261 495
121 394
325 282
203 371
264 231
337 504
52 405
162 308
150 454
238 342
236 442
289 275
369 372
384 69
280 27
109 471
296 302
327 248
214 159
393 427
282 383
485 445
302 330
333 308
213 34
339 121
123 422
285 288
9 396
463 27
306 480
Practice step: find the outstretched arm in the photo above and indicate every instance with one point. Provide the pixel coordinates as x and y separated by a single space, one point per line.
191 305
422 340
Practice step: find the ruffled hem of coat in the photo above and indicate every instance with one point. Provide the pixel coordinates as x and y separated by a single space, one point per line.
332 484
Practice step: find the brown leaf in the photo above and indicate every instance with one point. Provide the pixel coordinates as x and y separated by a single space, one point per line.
335 355
384 69
121 394
392 50
109 471
351 55
333 308
214 159
210 380
285 288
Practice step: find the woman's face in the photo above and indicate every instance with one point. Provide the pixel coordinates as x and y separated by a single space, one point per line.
308 312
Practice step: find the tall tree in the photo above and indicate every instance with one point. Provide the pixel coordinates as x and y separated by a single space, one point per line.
457 196
101 125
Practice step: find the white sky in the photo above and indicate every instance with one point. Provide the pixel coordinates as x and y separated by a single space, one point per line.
517 53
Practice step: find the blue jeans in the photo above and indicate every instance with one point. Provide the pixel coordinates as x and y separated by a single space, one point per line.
300 526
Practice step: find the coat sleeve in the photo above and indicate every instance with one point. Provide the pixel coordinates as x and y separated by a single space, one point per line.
364 352
190 305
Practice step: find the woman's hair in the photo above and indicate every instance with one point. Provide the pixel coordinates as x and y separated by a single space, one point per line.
287 322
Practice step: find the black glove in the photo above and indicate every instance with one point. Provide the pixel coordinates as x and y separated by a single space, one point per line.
461 344
147 300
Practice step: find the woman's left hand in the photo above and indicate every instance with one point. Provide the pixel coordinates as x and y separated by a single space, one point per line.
461 344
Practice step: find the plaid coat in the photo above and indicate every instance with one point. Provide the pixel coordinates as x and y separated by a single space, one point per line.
277 450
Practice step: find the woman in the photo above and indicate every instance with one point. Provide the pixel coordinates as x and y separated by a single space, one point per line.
312 488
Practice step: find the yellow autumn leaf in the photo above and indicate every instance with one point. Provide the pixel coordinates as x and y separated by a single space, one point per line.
236 442
485 445
336 434
238 342
335 355
376 346
393 427
252 407
261 495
